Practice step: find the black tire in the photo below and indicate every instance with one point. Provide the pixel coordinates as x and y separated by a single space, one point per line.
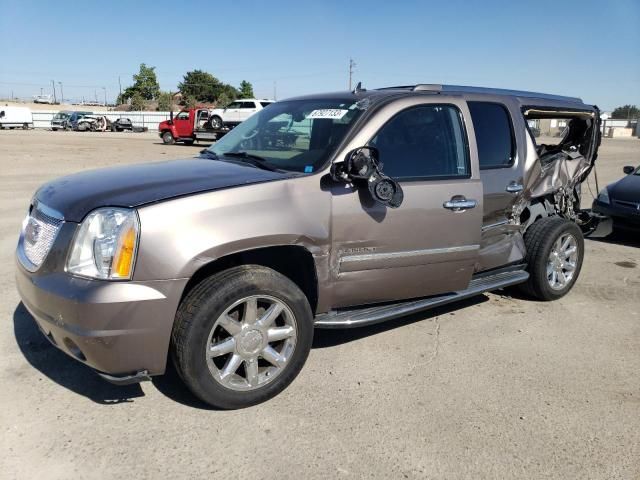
197 315
216 122
54 129
25 126
167 138
539 241
188 142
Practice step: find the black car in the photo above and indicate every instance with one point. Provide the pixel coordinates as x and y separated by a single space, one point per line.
621 200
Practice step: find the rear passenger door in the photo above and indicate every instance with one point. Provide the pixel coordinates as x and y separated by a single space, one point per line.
500 171
427 246
246 110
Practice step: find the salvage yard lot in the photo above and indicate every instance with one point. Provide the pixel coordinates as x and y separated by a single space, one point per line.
496 387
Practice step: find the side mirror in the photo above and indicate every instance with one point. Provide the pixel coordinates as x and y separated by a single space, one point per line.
628 170
362 167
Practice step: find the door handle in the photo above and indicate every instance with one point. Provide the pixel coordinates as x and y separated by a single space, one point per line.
459 204
514 187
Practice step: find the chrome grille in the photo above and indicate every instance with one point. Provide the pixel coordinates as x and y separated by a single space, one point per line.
38 234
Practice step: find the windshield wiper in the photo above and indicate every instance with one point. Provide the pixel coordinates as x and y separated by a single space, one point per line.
255 160
208 154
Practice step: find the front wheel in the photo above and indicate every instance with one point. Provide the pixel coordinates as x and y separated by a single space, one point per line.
242 336
555 250
167 138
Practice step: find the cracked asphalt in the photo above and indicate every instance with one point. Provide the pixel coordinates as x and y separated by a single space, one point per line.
493 387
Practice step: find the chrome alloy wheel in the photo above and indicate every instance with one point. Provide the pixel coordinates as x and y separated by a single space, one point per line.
251 343
562 262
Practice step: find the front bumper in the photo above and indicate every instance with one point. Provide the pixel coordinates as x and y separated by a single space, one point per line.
121 329
624 217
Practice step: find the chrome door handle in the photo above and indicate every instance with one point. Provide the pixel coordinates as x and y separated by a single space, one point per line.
514 187
458 204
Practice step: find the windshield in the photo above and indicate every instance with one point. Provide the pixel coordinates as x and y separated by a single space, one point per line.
296 135
61 115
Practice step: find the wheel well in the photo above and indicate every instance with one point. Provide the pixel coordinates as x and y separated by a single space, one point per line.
294 262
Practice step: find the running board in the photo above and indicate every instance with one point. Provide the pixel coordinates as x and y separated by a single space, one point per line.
369 315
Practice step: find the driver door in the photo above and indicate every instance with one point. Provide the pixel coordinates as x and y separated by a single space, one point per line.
183 124
426 246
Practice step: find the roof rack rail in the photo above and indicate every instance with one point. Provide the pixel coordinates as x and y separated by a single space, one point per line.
437 88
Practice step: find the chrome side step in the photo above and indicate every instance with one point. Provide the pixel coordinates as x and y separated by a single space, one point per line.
369 315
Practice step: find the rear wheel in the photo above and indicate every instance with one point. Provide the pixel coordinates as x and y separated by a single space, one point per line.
555 250
167 138
25 126
242 336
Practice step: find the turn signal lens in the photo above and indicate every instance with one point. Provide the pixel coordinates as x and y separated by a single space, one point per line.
123 259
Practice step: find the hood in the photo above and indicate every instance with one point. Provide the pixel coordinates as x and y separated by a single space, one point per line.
626 189
132 186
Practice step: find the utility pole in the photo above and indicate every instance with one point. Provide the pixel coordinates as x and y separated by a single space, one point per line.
53 84
275 96
61 93
120 84
352 65
105 95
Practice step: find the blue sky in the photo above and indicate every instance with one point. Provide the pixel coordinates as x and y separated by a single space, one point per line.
582 48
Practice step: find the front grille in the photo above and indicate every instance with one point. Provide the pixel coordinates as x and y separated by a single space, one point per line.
38 234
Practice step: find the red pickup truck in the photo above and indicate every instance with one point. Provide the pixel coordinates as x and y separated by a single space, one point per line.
188 126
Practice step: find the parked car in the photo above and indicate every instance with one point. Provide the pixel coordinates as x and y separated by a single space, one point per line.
74 118
60 119
15 117
621 200
237 112
380 203
42 99
122 124
92 123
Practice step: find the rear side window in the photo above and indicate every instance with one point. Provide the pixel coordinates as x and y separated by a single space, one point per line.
265 104
424 141
248 105
494 134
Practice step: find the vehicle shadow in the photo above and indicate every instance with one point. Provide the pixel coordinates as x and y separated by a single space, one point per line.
63 370
80 379
617 237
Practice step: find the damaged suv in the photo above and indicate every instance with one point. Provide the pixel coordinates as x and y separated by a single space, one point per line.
325 211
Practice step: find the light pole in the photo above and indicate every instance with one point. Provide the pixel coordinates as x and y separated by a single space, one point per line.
53 84
61 93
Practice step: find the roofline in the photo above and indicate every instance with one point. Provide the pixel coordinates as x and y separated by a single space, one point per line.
437 88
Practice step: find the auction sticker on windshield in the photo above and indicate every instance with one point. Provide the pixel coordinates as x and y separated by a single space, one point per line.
328 113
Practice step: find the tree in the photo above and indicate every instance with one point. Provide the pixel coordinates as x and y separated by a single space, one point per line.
137 102
200 85
204 87
145 84
246 90
626 112
165 101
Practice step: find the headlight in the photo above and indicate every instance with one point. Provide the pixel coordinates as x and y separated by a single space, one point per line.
105 245
603 196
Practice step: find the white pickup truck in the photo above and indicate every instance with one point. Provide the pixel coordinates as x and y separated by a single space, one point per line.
236 112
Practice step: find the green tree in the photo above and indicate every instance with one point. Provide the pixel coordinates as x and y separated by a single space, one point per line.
145 84
626 112
137 102
246 90
200 85
165 101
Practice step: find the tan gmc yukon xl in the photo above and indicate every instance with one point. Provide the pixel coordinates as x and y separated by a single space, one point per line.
325 211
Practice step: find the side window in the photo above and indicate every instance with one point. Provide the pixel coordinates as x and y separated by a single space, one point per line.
234 105
183 116
424 141
494 134
248 105
265 104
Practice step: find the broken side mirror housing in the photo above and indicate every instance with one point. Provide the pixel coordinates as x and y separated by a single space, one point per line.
362 167
628 170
